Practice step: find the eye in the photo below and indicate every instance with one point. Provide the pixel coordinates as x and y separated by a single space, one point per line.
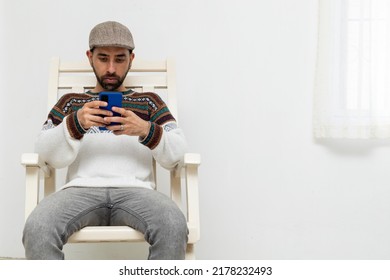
103 59
119 60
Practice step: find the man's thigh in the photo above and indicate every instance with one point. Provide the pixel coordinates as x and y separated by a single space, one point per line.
143 208
71 209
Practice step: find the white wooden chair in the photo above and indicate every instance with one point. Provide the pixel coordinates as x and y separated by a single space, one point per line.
143 76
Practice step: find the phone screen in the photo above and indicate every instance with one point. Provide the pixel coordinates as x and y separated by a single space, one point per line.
113 99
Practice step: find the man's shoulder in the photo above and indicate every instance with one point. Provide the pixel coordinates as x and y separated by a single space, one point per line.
149 97
75 98
78 96
145 94
70 102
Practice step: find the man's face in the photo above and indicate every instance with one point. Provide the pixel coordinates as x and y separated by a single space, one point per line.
110 65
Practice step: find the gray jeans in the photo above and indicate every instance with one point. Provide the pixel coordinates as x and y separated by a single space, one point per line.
66 211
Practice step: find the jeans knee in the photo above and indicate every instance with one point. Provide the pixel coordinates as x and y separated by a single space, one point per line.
37 230
168 236
41 240
30 229
175 225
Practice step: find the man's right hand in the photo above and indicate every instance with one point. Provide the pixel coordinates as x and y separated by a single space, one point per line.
91 115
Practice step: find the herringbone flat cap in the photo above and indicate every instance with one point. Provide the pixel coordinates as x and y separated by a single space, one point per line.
111 34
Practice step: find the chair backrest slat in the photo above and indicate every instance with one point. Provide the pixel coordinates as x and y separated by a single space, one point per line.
130 82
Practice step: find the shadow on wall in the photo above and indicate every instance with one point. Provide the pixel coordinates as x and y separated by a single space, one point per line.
353 147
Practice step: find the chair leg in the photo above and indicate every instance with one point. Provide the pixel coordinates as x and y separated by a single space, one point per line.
190 252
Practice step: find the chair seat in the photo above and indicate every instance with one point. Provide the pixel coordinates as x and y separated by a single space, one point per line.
118 234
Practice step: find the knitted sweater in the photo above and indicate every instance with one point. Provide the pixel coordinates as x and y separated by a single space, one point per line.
98 158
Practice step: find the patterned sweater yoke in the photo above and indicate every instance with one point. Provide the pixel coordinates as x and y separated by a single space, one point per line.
148 106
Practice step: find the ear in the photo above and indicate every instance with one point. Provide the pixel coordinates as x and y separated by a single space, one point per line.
132 55
89 55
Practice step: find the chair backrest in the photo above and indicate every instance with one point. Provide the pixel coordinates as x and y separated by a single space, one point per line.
78 77
144 75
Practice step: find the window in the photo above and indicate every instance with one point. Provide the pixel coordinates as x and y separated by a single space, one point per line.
352 89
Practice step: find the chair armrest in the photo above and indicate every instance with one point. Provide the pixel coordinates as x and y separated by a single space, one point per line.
34 165
189 171
33 160
191 159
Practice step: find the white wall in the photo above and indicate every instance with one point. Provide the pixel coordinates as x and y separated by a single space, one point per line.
245 79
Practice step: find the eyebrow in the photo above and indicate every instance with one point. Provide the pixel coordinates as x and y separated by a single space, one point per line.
106 55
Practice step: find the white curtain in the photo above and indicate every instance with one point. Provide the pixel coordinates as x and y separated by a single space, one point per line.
352 87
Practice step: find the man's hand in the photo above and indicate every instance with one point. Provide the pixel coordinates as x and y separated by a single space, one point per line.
91 115
129 123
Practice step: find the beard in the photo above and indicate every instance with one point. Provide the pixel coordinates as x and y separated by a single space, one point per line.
110 82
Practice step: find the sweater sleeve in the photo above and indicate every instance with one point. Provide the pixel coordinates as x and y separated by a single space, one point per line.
167 143
56 146
165 139
59 140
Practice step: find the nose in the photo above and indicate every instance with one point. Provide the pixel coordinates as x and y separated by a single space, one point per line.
111 67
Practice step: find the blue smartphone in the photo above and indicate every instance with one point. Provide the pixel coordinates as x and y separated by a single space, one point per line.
113 99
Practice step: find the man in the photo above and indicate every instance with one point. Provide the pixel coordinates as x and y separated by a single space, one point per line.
110 177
